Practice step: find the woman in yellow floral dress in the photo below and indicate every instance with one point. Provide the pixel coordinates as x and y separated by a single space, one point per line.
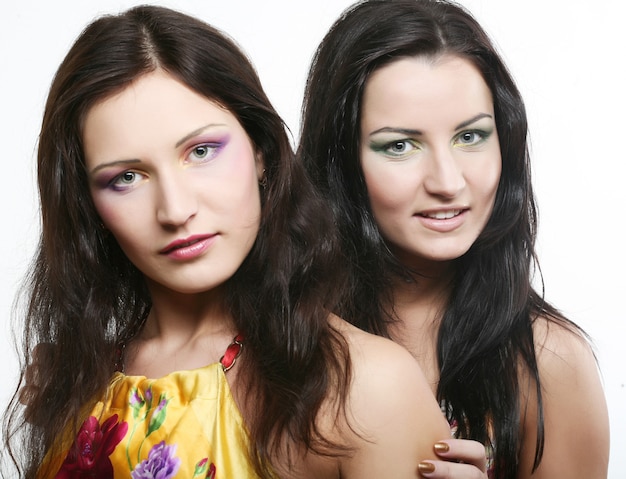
180 293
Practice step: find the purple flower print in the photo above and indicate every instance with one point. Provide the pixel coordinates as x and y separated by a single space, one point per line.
149 395
158 416
89 455
135 398
136 402
161 463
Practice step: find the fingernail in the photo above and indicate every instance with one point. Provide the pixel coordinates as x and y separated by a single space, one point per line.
426 467
441 447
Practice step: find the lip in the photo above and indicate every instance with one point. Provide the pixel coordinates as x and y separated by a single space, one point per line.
443 220
188 248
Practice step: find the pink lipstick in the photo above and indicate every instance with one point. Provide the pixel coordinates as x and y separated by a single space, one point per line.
444 220
188 248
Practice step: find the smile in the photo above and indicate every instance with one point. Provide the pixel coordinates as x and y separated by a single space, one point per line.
443 221
442 215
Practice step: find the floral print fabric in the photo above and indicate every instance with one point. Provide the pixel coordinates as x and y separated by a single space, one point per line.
184 425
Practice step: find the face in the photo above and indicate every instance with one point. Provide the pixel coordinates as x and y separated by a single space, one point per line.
174 178
430 156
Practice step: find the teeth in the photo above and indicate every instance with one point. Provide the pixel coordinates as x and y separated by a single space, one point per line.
443 215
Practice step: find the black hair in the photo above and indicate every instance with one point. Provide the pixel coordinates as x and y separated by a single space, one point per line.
485 346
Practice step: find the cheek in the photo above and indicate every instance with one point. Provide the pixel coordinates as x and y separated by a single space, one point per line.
104 208
380 196
235 191
490 178
484 181
120 220
242 163
389 187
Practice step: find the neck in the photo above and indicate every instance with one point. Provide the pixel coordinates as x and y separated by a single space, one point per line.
182 331
418 306
427 289
181 315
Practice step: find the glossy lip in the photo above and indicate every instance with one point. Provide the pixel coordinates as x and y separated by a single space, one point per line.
443 225
188 248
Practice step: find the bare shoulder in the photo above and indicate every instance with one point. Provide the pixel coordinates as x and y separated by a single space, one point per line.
560 343
565 357
393 417
575 413
379 363
368 350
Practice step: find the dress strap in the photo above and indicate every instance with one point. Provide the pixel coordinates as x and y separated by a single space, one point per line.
232 353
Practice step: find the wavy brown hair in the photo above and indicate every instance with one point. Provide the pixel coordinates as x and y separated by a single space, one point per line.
485 336
84 296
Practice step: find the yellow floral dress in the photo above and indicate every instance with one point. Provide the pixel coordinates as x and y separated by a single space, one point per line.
183 425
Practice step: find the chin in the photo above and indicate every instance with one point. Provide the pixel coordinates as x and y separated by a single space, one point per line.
445 255
420 257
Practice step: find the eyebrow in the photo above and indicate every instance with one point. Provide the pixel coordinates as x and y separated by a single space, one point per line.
475 118
113 163
178 143
412 132
197 132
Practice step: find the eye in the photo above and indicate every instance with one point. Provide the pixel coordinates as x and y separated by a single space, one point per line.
396 148
126 180
471 137
399 147
127 177
204 152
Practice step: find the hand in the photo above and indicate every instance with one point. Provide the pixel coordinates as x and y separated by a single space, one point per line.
461 459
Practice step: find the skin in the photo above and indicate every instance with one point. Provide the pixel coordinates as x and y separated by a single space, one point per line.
431 166
169 167
429 147
167 171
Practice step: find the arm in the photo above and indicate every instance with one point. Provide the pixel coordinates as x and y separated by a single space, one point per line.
391 409
576 417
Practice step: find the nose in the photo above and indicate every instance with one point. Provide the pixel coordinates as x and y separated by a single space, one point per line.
176 200
444 174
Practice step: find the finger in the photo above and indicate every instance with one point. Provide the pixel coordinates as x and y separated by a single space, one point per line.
450 470
463 450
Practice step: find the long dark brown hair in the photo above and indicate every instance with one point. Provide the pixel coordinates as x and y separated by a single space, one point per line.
486 332
84 296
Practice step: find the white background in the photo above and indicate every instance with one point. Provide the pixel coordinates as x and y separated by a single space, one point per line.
567 56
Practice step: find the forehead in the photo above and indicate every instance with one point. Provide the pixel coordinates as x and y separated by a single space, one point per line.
155 110
426 88
154 93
